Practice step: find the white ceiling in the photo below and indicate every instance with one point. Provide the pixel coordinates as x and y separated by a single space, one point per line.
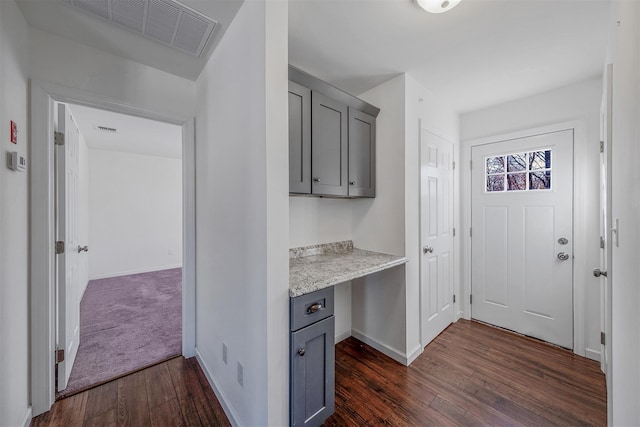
134 134
481 53
57 17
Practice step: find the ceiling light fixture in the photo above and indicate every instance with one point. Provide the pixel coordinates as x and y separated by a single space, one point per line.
437 6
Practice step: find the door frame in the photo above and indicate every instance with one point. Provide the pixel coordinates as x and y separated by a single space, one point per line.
580 231
42 227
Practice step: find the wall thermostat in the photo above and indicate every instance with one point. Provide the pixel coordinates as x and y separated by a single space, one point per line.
16 162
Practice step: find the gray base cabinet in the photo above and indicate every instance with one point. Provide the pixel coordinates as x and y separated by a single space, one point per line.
313 373
312 358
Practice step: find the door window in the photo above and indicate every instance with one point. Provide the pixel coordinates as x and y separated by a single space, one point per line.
518 172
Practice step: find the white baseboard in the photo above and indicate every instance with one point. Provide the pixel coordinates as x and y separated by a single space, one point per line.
413 355
342 335
592 354
393 353
231 413
137 271
27 418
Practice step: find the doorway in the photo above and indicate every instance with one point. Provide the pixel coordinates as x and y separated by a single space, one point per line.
522 235
119 212
42 225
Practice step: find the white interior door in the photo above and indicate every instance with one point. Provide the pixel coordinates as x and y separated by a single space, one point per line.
605 223
66 167
436 234
522 235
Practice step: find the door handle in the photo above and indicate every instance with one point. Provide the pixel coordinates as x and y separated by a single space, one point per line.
83 248
597 273
427 250
563 256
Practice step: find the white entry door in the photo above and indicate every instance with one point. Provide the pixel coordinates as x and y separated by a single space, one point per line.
67 277
436 234
522 235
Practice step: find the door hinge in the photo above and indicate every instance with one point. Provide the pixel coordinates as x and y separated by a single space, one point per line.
602 146
470 164
602 338
58 138
601 242
59 354
454 165
59 247
454 298
470 234
470 299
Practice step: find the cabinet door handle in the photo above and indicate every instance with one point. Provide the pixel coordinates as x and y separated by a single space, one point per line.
352 183
314 308
316 179
301 351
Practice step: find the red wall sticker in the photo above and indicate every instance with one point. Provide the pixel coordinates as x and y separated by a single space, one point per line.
14 132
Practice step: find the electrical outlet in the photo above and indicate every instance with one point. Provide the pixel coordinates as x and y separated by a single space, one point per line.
224 353
240 374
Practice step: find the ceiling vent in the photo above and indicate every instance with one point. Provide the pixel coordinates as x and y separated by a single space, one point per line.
166 21
106 129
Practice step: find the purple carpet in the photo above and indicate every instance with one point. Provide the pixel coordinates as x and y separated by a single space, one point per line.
127 323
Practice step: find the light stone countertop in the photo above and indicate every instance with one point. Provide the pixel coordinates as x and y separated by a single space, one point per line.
316 267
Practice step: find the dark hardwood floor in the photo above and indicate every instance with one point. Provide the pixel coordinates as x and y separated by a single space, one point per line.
172 393
472 374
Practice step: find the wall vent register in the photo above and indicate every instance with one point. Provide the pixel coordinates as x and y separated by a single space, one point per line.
518 172
166 21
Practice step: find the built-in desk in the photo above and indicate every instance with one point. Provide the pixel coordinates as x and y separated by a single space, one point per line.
316 267
313 271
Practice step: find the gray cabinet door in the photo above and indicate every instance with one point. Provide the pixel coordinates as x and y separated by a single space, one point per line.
329 165
362 154
313 373
299 139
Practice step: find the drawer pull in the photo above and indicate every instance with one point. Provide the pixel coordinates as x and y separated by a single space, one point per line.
314 308
301 351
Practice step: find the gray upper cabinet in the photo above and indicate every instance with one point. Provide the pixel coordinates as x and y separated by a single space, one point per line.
299 139
332 140
362 154
329 149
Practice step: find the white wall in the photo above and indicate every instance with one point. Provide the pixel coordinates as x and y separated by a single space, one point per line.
625 339
62 61
577 102
135 211
242 215
379 300
314 220
14 233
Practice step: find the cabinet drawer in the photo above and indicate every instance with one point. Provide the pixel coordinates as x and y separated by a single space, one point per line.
310 308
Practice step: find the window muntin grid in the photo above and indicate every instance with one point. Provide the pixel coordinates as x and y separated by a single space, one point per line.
524 171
